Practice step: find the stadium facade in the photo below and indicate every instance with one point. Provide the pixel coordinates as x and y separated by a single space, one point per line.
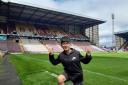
122 40
22 21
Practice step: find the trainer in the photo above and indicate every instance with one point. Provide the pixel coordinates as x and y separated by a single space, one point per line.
70 59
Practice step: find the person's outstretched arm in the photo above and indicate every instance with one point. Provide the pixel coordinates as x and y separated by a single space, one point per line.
87 58
53 60
51 57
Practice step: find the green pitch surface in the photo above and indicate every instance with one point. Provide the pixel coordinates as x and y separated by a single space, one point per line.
104 69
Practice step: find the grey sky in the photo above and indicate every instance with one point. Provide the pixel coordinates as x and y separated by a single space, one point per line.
101 9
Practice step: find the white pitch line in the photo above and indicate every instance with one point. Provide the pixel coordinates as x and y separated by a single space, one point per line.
55 75
52 74
97 73
108 76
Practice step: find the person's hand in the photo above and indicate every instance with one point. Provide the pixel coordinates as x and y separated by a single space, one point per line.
88 51
50 50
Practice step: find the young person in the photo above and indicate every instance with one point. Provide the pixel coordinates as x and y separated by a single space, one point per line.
70 59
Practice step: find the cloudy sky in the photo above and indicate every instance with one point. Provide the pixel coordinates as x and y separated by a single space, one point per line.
101 9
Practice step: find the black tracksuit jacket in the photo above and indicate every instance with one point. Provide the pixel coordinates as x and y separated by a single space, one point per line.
71 63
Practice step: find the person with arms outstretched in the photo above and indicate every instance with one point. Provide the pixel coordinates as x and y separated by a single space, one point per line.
70 59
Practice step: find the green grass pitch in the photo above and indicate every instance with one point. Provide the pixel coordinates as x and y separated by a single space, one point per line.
104 69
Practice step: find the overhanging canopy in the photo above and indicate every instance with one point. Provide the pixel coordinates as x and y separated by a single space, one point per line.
18 12
123 34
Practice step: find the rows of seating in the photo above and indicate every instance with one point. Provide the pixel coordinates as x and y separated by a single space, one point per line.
36 45
9 45
52 44
3 29
43 31
40 47
25 29
11 29
57 32
31 30
82 45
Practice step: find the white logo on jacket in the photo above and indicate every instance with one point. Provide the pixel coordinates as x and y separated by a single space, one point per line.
73 58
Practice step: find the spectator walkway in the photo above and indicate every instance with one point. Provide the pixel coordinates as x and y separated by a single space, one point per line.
8 74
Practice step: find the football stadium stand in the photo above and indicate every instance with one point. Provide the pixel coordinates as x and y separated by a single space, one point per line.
26 28
34 46
53 44
82 45
9 45
122 40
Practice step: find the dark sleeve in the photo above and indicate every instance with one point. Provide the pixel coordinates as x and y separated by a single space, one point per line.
53 60
85 59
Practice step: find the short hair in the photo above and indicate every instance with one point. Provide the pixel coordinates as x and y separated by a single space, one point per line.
65 39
